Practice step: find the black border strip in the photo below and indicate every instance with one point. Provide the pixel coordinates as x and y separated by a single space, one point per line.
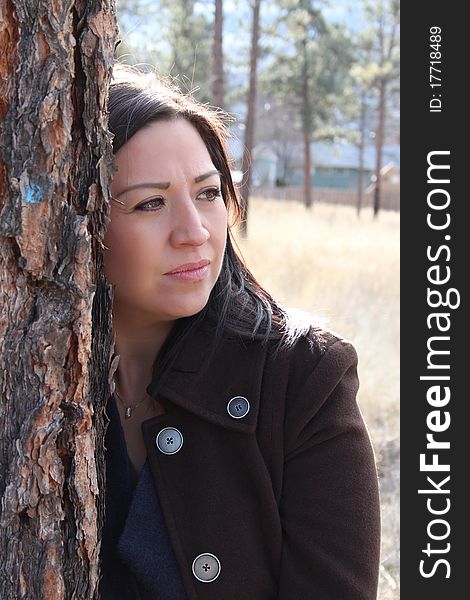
445 561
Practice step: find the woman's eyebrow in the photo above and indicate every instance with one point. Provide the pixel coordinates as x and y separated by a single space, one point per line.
200 178
161 185
164 185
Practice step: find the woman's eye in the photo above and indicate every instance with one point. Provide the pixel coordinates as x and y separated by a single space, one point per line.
210 194
153 203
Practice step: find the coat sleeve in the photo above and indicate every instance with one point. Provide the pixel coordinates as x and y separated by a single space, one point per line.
330 500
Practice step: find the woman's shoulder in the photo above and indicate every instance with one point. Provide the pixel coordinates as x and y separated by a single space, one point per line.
320 384
309 341
296 347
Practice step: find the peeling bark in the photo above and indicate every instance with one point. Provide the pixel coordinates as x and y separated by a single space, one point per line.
55 348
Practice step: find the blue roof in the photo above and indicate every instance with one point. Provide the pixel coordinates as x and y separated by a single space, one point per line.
326 154
346 156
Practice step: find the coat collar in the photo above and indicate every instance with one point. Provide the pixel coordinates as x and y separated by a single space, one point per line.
236 369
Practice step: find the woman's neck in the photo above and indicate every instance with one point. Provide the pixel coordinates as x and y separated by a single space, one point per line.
137 347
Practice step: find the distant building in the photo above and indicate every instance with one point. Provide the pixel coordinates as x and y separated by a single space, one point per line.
333 165
335 172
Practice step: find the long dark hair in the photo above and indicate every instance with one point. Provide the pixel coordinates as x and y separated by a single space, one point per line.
238 305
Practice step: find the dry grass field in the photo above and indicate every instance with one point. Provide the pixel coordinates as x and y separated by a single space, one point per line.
345 270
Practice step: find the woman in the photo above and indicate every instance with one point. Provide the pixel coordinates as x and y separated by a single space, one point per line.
238 463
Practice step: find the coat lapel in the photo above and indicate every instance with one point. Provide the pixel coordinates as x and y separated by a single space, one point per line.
236 370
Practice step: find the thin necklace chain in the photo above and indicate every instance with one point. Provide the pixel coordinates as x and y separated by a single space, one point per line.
128 408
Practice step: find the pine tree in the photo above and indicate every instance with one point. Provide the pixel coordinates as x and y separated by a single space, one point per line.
55 157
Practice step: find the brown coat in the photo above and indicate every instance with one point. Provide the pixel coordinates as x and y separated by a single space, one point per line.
285 497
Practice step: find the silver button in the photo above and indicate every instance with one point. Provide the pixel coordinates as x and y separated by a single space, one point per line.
206 567
238 407
169 440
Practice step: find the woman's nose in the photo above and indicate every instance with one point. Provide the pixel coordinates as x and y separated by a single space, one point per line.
187 225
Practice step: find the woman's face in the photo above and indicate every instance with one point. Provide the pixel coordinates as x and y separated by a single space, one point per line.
172 214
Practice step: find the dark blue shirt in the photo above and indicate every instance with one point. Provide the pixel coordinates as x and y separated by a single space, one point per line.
137 558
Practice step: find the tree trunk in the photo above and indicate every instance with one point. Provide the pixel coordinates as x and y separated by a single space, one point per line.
360 175
379 138
308 200
245 187
55 157
307 125
218 83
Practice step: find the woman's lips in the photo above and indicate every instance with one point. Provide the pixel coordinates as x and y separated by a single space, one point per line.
190 271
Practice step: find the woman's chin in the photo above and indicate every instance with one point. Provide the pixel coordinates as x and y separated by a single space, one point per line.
188 310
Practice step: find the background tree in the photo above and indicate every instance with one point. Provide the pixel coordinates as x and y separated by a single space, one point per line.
218 66
277 128
359 107
174 36
190 37
250 118
307 72
54 173
384 18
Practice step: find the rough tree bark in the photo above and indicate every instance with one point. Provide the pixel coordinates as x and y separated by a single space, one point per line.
55 157
245 187
218 82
